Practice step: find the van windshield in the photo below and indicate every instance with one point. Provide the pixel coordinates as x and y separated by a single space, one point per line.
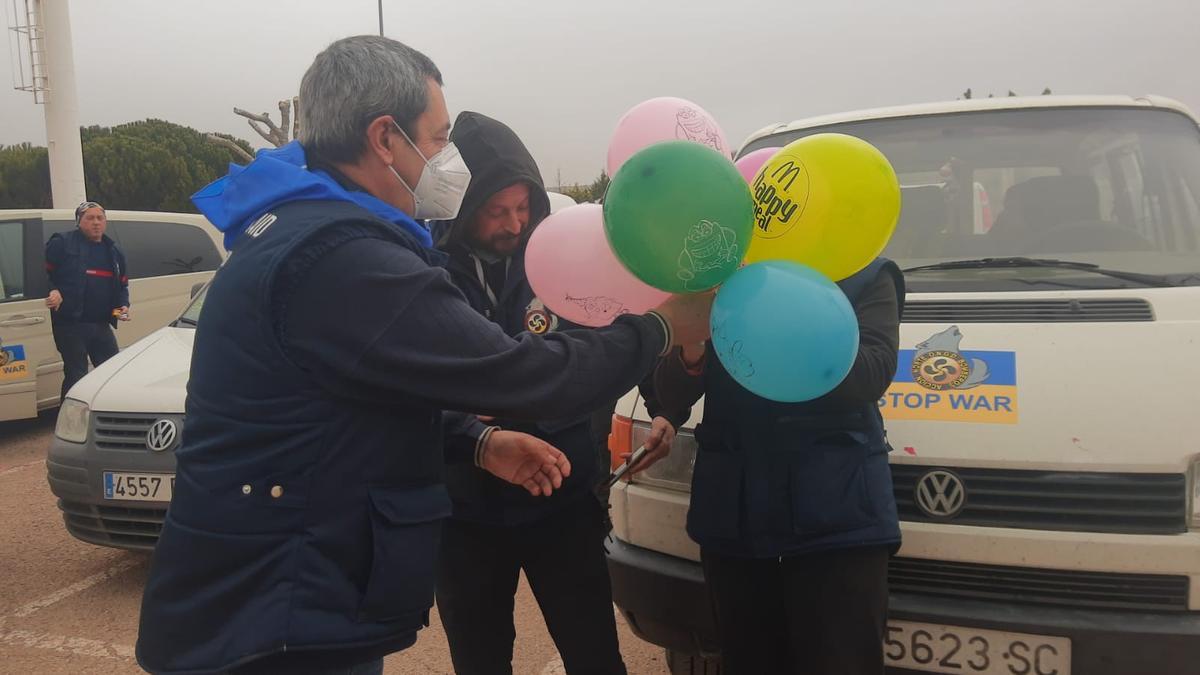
1118 188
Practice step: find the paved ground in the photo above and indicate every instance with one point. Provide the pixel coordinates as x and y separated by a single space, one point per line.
68 607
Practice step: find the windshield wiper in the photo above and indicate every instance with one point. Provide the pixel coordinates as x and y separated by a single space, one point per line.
1159 280
186 321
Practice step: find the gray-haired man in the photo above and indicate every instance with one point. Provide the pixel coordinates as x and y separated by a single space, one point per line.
308 499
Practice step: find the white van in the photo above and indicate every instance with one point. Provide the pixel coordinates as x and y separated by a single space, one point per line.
167 254
1045 418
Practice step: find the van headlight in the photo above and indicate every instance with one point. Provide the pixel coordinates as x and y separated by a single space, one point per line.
72 423
673 472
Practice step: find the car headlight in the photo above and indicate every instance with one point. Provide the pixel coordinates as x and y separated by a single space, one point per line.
72 423
673 472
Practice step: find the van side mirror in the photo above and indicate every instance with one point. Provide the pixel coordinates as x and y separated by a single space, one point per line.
197 288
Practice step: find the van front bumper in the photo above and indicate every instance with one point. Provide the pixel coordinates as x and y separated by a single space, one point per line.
665 602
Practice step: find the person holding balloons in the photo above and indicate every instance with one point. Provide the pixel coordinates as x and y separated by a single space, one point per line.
496 532
792 501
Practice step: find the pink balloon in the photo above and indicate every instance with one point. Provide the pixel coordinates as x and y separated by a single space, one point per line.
663 119
751 163
574 272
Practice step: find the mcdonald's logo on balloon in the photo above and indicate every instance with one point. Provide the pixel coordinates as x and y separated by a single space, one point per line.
779 198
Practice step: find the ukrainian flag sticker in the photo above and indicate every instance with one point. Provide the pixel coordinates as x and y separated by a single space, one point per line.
940 382
12 363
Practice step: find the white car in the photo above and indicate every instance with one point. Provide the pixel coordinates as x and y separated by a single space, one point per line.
112 461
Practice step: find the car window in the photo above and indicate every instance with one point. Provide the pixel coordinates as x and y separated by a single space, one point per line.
159 249
53 227
12 261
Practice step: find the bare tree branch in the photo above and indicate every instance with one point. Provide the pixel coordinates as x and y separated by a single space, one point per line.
275 134
261 117
272 133
296 116
270 138
237 150
285 120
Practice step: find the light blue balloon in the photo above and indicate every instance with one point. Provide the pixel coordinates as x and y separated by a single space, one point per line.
784 331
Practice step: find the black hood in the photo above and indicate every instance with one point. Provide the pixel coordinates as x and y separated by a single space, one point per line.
497 159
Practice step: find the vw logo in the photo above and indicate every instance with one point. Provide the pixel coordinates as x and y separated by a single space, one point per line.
162 435
941 494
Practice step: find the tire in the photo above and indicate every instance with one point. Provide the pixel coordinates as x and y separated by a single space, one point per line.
692 664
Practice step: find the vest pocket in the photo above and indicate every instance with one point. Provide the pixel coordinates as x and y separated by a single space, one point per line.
828 486
406 528
213 592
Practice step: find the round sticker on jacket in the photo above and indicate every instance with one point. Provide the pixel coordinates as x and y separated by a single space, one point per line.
538 319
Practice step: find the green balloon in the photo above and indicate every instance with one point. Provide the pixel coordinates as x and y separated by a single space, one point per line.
679 216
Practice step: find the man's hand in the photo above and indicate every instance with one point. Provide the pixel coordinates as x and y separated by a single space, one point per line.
688 317
124 315
658 445
54 300
525 460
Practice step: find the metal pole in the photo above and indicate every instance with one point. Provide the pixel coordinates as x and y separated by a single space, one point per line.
380 18
62 106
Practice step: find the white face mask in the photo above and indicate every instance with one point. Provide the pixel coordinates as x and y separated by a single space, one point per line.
442 185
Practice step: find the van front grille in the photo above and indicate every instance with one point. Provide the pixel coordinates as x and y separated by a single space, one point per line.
127 431
1128 503
1034 586
1067 310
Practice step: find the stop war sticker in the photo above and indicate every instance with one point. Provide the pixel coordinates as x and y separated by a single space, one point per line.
938 381
12 363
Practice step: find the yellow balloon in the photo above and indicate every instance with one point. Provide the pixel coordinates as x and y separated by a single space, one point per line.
829 201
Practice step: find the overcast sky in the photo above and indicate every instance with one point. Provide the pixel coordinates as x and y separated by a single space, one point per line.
561 72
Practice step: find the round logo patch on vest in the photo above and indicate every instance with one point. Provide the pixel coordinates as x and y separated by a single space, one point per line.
538 319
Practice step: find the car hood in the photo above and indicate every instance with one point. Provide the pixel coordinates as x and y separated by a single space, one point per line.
149 376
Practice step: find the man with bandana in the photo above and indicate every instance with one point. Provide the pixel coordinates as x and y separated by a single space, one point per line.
89 292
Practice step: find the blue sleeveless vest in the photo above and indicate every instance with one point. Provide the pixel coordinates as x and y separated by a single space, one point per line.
774 479
300 521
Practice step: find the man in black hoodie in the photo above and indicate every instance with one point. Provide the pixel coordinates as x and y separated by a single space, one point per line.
497 531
